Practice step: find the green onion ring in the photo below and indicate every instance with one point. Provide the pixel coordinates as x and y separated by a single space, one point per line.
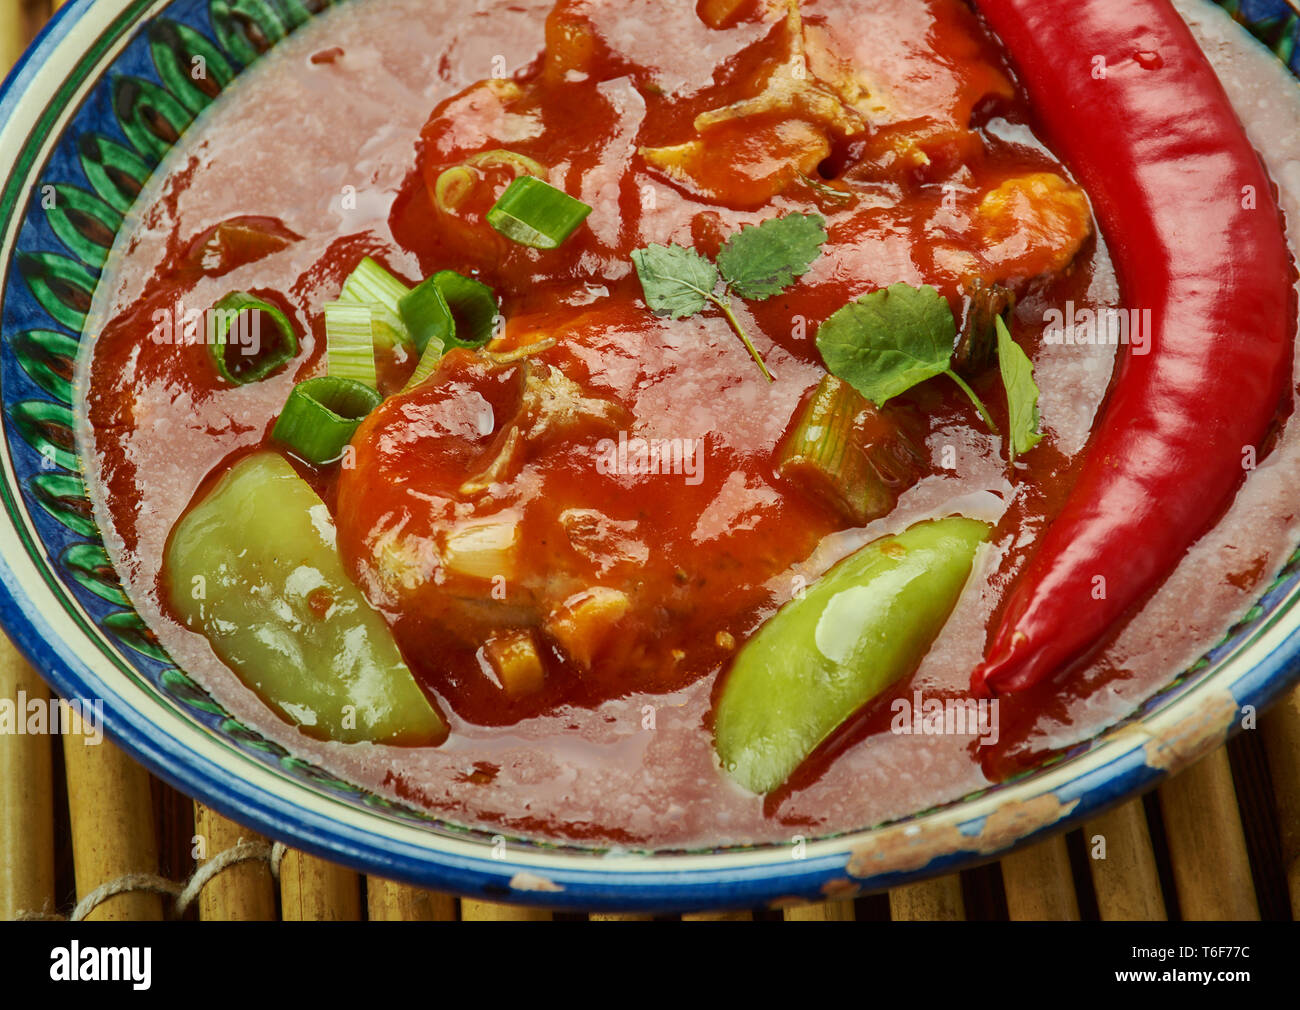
473 308
534 213
267 357
321 416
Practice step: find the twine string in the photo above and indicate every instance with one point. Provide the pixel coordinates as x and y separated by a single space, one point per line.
148 883
183 895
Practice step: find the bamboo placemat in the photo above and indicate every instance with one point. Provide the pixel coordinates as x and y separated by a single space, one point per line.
1221 841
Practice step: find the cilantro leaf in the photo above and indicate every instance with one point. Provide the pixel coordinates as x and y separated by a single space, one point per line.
889 340
676 281
762 260
1022 392
758 262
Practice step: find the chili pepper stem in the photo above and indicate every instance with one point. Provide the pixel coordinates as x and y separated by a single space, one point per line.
725 305
979 404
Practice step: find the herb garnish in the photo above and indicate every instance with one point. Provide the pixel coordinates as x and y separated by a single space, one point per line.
1022 392
757 262
890 340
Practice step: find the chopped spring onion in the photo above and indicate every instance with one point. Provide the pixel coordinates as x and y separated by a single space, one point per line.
426 366
427 316
501 158
249 353
321 416
844 451
535 213
371 283
455 184
350 342
388 329
448 310
473 308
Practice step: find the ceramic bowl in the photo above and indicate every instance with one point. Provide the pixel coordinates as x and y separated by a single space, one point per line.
94 105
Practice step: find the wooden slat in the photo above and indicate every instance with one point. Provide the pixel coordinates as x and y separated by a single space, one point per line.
621 917
26 799
26 17
937 900
820 911
389 901
1206 844
1126 881
730 915
173 816
111 813
490 911
35 13
12 34
20 20
1281 729
26 762
244 892
1039 883
312 890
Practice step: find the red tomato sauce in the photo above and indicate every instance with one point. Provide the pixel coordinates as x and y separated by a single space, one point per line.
327 160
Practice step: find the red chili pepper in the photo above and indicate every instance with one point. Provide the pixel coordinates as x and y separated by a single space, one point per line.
1134 109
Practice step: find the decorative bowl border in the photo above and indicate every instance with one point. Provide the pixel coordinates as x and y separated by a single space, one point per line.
111 113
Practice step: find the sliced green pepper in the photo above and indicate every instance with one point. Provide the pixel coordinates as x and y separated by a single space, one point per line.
254 568
864 625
